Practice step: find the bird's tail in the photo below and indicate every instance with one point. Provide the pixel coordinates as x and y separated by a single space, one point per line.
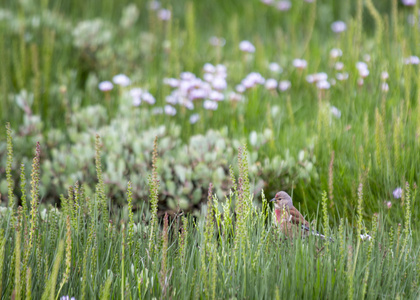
314 232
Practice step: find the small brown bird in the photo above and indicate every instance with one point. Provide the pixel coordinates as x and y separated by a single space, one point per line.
290 220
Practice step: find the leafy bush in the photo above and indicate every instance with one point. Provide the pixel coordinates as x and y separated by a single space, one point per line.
185 169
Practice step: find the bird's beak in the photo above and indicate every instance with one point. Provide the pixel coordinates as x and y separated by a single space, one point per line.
274 199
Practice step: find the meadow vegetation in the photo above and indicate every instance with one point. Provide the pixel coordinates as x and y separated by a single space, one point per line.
318 98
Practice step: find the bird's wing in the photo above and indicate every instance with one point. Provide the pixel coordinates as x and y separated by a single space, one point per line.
297 218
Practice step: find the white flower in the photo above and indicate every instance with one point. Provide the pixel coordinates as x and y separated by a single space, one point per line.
216 96
209 68
284 5
267 2
210 105
240 88
194 118
197 94
271 84
323 85
164 14
246 46
253 137
366 58
208 77
172 82
397 193
360 81
342 76
363 73
361 65
171 99
248 83
363 69
335 52
136 92
252 79
256 77
339 66
170 110
335 112
121 79
299 63
284 85
384 75
154 5
408 2
187 76
365 237
317 77
221 70
412 60
147 97
67 298
188 104
235 97
275 67
136 101
105 86
310 78
219 83
321 76
338 26
384 87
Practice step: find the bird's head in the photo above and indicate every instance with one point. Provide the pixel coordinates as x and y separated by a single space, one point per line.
282 199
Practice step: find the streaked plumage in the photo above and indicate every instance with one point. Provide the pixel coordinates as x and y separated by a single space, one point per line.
289 219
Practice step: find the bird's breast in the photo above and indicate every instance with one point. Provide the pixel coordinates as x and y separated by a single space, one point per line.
279 213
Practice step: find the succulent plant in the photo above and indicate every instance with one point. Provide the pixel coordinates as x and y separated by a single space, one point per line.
185 169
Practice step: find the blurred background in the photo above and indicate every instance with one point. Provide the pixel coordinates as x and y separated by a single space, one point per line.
324 94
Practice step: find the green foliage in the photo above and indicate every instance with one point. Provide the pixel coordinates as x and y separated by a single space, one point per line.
186 168
53 56
202 258
57 54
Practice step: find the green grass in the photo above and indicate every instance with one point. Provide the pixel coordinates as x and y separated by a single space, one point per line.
234 250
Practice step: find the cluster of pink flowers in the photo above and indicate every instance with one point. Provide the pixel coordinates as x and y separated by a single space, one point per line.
335 53
320 79
412 60
254 79
251 80
362 67
189 88
137 94
162 13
